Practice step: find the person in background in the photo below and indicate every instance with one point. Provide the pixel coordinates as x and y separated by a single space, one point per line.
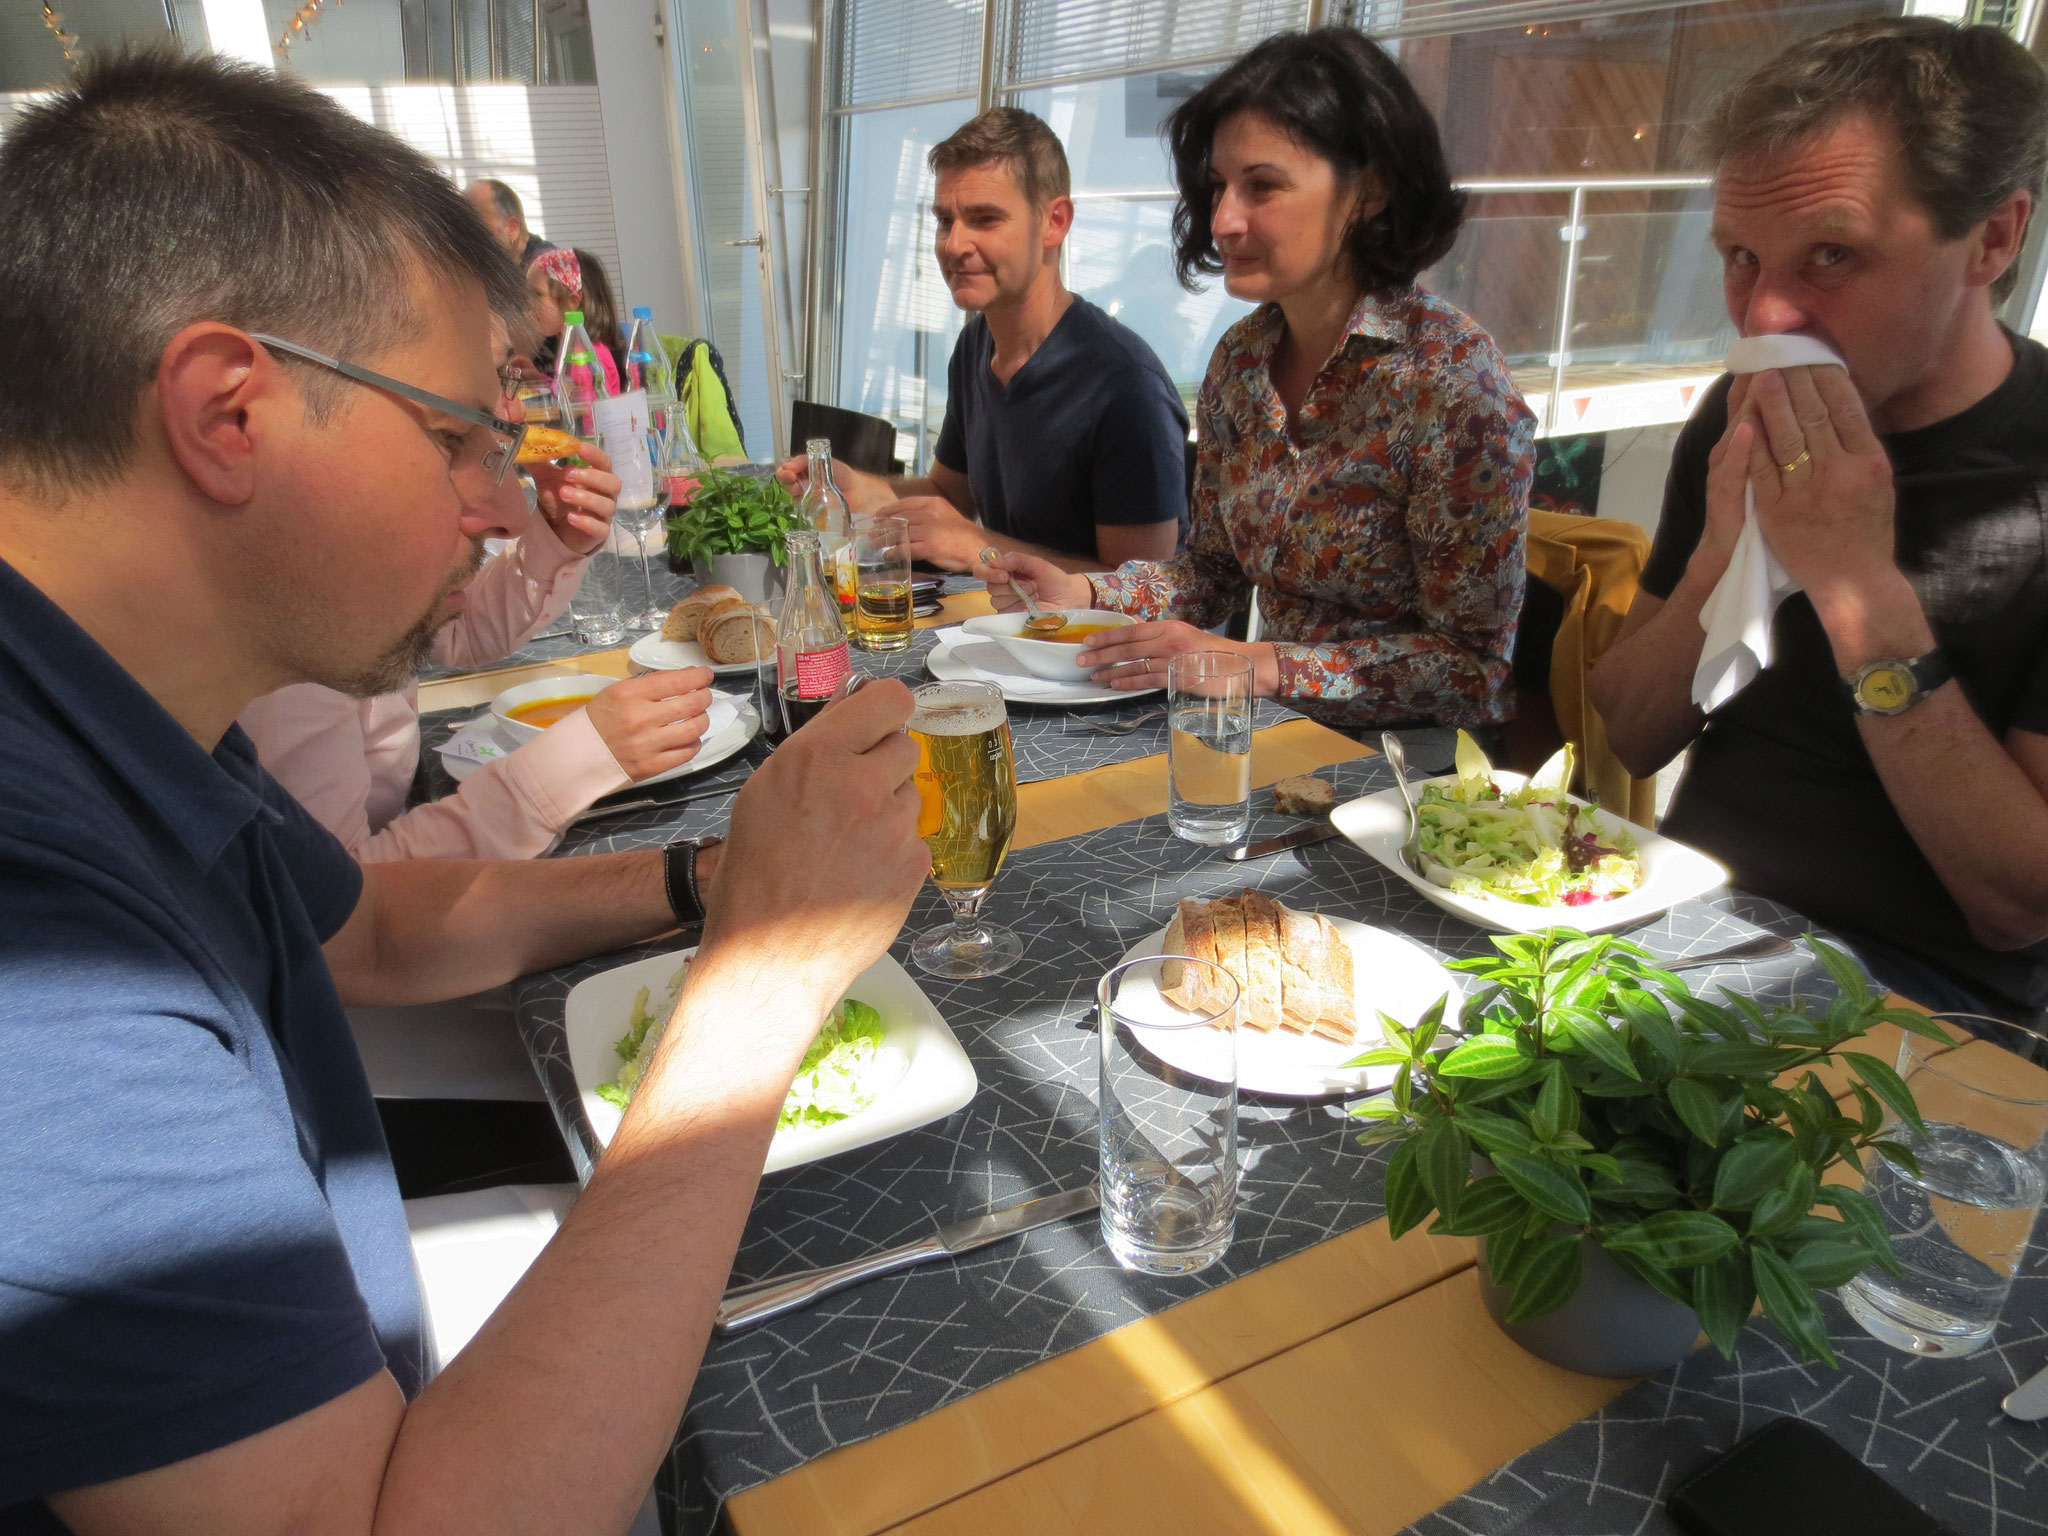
351 761
1365 459
505 217
561 280
1063 437
1887 774
210 1319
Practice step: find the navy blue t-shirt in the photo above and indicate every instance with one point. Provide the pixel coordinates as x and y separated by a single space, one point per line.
1090 430
200 1231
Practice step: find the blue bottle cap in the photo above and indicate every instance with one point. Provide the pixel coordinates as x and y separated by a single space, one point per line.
643 312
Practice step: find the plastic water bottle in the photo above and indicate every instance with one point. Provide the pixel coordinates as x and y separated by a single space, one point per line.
579 379
579 385
648 366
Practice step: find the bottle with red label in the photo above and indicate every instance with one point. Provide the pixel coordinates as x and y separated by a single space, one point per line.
811 655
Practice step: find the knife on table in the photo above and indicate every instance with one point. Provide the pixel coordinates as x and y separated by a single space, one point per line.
1315 832
746 1305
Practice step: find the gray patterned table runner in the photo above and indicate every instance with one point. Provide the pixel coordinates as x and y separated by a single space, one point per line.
873 1358
1931 1428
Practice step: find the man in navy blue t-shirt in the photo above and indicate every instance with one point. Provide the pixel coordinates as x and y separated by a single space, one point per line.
248 438
1063 435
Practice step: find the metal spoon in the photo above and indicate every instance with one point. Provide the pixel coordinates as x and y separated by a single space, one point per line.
1041 621
1397 759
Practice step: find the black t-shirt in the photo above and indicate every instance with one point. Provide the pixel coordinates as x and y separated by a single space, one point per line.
1780 787
1090 430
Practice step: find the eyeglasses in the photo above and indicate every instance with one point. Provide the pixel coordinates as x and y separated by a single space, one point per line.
492 443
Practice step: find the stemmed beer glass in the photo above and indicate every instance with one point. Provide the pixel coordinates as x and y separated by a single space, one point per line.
967 814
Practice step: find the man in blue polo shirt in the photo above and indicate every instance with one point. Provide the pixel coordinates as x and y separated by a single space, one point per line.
246 440
1063 435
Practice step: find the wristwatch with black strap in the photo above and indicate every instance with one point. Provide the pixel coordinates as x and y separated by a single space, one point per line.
679 879
1893 685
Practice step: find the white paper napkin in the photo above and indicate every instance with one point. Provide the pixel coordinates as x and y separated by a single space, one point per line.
476 742
1737 614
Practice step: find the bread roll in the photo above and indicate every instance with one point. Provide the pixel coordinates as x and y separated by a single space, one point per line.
737 631
687 616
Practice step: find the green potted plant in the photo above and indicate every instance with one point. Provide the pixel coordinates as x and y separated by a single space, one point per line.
733 531
1596 1122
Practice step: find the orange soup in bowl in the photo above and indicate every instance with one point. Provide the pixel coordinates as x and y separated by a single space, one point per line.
542 713
1070 634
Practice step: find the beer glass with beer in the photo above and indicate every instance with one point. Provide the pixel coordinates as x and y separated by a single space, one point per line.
881 557
966 814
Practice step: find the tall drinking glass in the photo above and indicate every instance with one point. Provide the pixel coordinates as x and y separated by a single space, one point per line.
1959 1226
881 557
967 813
594 610
1209 746
1167 1112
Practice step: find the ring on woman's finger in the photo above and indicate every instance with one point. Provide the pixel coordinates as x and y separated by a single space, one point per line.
1800 461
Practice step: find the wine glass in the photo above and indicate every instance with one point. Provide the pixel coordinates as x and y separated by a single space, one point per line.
676 470
967 814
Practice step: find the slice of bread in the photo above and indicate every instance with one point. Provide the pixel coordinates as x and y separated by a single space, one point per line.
1304 795
1301 964
1340 1017
1262 959
1226 917
685 618
736 631
1190 933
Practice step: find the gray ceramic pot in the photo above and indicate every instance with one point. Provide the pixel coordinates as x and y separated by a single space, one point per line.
1614 1324
754 577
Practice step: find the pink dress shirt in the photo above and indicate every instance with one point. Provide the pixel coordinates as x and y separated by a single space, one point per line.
351 761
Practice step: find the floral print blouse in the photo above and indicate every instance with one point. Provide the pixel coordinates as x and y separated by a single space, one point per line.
1387 543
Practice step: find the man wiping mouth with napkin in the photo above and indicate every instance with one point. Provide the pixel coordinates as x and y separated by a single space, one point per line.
1845 615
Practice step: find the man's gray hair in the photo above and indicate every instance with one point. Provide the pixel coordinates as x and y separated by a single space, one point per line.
1969 106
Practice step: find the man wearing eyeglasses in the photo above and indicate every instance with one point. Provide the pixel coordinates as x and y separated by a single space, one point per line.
258 447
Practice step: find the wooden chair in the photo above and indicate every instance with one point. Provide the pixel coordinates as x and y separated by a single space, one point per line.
1582 577
864 442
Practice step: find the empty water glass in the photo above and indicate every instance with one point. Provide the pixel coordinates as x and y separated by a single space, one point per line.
1167 1112
1959 1225
594 610
1209 746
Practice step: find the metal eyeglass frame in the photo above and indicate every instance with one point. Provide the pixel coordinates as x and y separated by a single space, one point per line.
508 433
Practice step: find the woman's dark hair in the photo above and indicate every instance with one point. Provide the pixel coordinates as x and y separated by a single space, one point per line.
1336 92
600 308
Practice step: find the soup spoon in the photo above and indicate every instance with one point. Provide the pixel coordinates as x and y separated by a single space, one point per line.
1041 621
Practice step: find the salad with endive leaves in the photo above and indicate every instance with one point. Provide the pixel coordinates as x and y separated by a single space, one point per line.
1534 844
829 1085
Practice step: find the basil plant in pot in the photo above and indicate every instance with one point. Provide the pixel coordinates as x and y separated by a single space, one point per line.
733 531
1598 1126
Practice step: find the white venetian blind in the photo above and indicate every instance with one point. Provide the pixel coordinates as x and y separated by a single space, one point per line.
1055 39
1426 18
908 50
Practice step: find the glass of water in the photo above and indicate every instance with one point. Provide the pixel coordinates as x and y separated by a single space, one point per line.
594 610
1167 1112
1209 746
1960 1226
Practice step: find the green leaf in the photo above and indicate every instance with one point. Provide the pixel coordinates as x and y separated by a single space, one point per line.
1556 1191
1723 1293
1380 1108
1830 1262
1914 1022
1703 1112
1746 1060
1662 1281
1846 974
1430 1025
1504 1251
1407 1201
1593 1035
1782 1207
1676 1239
1548 1276
1651 1023
1712 1017
1488 1205
1755 1165
1384 1056
1887 1085
1864 1215
1485 1056
1443 1160
1790 1303
1899 1155
1495 1133
1557 1105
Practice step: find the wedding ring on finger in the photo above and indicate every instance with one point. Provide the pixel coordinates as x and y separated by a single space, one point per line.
1799 462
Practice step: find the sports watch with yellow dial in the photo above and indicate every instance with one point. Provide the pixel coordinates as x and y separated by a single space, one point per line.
1891 686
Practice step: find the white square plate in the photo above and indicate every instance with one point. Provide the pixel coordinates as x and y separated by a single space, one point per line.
1390 975
922 1075
1672 872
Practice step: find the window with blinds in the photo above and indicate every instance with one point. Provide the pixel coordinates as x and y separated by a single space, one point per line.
893 52
1434 18
1052 40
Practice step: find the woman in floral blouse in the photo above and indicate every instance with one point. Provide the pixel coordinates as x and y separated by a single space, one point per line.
1364 456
